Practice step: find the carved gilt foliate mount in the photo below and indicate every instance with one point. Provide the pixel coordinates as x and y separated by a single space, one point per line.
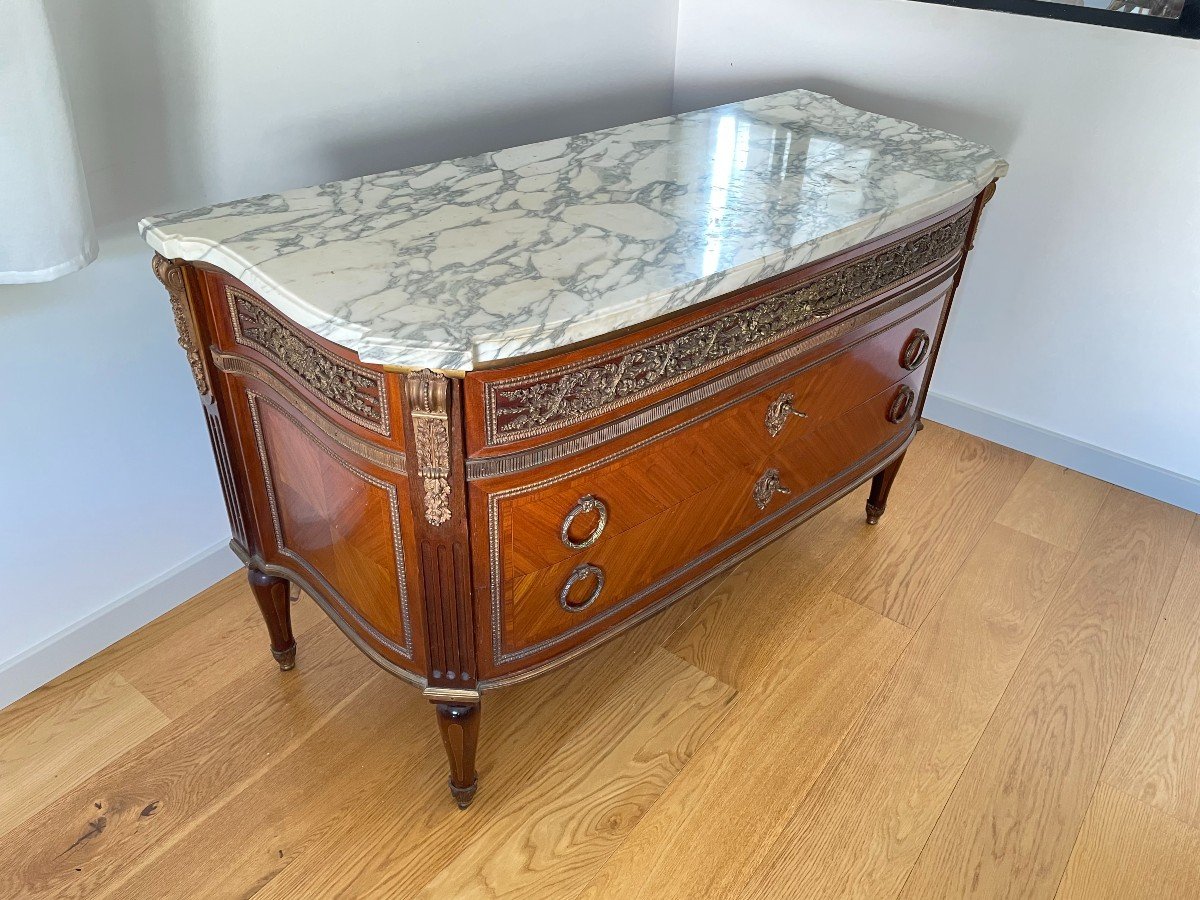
172 279
356 393
428 395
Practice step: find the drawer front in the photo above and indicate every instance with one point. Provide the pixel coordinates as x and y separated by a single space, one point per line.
595 588
557 522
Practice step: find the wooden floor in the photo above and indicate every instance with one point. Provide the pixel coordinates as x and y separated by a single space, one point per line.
995 692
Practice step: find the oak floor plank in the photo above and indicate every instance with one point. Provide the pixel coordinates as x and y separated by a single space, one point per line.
935 516
649 636
42 757
366 750
711 827
1053 503
772 605
181 657
201 658
397 841
1010 823
1129 851
107 661
733 635
1156 756
860 829
146 800
557 829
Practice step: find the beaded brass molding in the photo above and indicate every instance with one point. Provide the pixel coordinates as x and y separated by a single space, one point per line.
357 393
171 277
520 408
428 393
392 460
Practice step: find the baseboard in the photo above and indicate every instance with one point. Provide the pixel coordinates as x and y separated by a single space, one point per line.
1125 471
30 669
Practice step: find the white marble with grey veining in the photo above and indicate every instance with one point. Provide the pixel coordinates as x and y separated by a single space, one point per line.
490 257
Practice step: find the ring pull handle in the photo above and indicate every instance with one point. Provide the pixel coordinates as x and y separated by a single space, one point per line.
902 404
916 349
767 486
585 504
580 573
778 413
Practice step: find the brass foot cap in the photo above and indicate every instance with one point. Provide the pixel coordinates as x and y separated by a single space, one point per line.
285 658
463 795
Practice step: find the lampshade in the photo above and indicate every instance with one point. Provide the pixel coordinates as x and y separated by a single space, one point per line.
46 226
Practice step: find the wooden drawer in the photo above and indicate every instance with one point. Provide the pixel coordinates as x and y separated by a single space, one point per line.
599 586
742 433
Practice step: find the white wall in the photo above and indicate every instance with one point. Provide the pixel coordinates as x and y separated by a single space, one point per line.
1076 332
107 482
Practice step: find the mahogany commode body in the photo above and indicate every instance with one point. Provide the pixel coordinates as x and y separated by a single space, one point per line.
469 530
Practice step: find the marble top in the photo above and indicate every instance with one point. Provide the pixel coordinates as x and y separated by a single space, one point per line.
490 257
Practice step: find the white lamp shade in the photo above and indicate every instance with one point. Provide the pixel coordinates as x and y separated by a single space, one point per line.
45 220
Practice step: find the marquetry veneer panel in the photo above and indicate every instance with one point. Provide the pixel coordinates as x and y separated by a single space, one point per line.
336 521
531 617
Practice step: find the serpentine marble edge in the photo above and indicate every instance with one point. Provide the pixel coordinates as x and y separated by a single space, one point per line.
485 258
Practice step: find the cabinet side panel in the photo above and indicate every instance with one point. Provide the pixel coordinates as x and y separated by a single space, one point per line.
313 468
336 521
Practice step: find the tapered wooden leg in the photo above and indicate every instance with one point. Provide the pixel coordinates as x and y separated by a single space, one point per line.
459 723
881 486
272 596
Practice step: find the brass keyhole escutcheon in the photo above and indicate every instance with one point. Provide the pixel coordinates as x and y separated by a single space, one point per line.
779 412
767 486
